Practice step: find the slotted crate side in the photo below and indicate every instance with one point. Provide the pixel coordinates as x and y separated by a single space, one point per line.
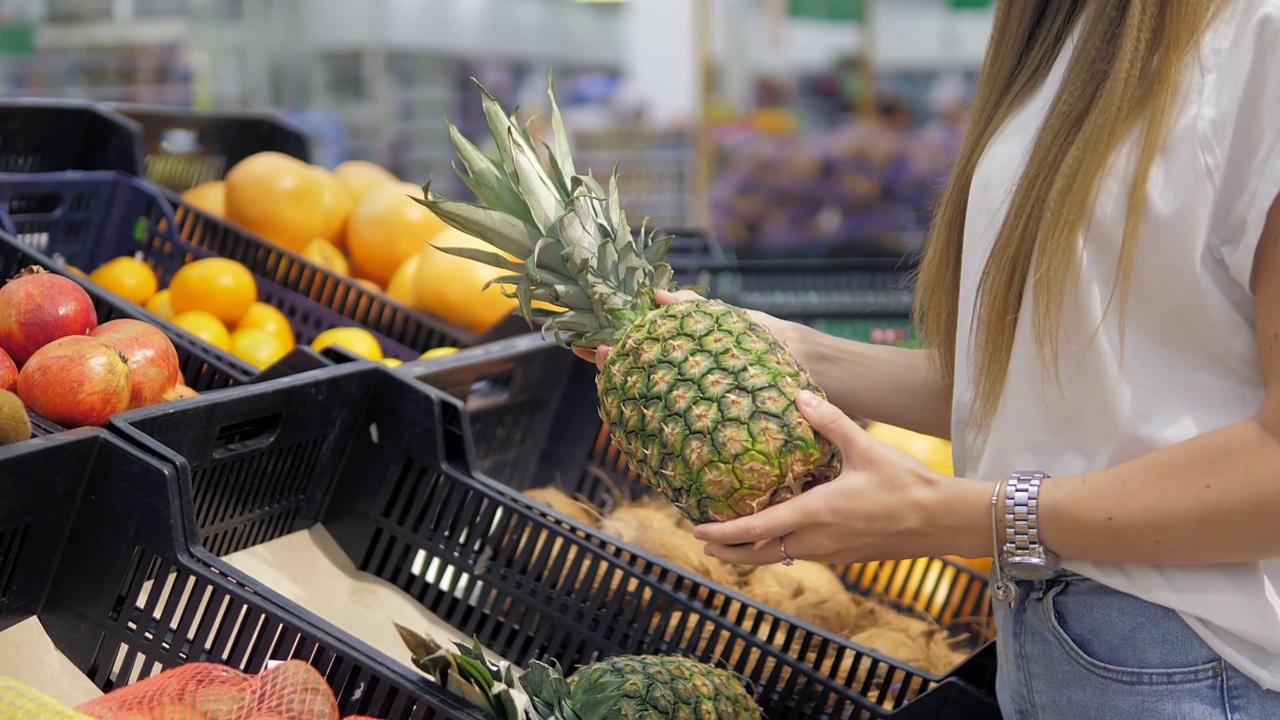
534 422
183 148
203 366
94 552
45 135
89 218
382 462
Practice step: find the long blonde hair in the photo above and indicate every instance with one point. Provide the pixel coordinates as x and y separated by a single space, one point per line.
1125 70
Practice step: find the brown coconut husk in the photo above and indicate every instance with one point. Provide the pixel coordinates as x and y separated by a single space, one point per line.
574 508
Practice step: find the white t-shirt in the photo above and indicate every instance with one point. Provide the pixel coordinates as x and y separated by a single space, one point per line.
1190 357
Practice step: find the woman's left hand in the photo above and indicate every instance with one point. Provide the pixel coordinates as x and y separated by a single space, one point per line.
884 505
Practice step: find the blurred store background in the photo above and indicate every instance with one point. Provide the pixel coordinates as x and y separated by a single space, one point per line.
791 128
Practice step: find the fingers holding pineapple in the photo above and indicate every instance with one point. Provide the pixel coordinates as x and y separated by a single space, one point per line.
884 505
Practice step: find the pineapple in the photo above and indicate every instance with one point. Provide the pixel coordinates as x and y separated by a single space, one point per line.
698 397
634 687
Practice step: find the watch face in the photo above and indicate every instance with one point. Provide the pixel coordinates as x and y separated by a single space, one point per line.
1028 568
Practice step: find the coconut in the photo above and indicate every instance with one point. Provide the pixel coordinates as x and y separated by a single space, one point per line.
558 500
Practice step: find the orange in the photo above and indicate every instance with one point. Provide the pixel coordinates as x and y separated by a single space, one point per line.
388 228
75 271
360 176
210 197
128 277
267 317
205 326
278 197
219 286
161 304
257 347
439 352
357 340
401 286
327 255
449 286
338 202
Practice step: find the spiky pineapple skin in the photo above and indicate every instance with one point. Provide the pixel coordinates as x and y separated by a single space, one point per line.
700 399
664 687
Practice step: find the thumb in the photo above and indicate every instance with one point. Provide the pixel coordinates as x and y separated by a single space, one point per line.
666 297
831 422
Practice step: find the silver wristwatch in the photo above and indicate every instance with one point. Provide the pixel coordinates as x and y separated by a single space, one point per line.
1022 556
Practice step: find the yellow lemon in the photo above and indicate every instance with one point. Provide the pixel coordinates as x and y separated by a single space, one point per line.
216 285
354 339
205 326
267 317
439 352
257 347
392 362
162 304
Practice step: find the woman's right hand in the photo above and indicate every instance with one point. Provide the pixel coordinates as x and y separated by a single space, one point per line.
662 297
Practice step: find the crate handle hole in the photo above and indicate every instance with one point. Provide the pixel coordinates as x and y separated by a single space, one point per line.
34 203
246 435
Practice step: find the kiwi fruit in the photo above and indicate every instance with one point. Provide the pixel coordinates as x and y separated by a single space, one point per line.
15 426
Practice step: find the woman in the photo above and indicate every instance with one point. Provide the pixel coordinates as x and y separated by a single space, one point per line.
1101 298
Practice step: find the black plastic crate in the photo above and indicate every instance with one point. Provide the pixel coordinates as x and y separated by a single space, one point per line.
868 299
45 135
533 421
93 550
88 218
382 461
203 366
183 148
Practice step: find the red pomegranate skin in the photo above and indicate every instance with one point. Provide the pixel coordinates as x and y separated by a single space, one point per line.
38 308
8 372
75 381
150 354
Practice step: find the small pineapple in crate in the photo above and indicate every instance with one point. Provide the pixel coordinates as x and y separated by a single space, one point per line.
641 687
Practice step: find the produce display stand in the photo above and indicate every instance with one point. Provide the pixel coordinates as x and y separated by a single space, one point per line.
39 135
867 299
533 422
87 218
203 366
183 148
90 545
383 462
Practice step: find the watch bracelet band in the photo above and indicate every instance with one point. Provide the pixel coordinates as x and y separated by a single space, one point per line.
1021 514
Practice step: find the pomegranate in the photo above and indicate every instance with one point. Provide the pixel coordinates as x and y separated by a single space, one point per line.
152 358
76 380
38 307
8 372
179 392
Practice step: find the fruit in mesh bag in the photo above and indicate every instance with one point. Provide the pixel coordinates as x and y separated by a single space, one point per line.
295 691
698 396
292 690
640 687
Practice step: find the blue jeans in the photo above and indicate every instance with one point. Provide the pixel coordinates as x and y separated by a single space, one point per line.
1073 649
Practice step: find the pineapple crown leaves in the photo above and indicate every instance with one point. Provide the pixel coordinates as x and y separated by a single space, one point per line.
467 673
572 246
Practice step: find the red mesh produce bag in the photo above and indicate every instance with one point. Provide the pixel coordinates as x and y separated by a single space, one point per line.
292 690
